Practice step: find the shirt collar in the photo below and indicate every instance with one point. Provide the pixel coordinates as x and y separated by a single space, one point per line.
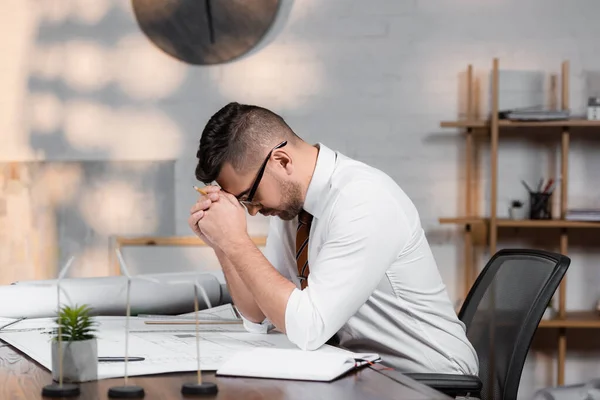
319 183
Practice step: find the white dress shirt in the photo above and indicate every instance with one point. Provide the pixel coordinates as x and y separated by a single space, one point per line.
373 281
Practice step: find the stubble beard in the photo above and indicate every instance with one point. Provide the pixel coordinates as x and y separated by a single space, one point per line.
292 201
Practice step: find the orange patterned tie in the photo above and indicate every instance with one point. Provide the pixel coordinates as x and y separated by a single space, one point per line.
304 221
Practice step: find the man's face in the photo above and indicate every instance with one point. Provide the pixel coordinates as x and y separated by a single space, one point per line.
277 194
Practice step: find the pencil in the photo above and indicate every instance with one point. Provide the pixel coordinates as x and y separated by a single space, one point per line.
200 190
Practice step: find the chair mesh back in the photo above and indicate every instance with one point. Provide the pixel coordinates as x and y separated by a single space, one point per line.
503 310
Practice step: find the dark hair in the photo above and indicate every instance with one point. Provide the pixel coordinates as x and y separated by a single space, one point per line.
241 135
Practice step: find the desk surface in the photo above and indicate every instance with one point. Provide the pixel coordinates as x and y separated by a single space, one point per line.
22 378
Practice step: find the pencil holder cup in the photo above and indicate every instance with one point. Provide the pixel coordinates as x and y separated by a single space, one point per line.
539 205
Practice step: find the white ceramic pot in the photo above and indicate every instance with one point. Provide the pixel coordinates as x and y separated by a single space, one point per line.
549 313
517 213
80 361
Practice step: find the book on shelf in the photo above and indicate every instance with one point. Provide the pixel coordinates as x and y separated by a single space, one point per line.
535 113
583 214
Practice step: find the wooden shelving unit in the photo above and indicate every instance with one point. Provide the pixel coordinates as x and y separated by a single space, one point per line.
484 229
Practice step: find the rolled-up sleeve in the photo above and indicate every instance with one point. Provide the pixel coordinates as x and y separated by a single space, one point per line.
367 231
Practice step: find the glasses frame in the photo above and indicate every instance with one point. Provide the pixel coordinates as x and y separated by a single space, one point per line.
261 171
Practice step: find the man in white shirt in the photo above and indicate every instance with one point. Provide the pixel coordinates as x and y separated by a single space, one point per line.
365 280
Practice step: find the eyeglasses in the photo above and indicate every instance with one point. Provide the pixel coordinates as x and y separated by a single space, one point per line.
252 191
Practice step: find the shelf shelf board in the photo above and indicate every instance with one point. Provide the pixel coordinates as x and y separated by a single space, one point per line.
574 319
465 124
521 124
463 220
526 223
548 223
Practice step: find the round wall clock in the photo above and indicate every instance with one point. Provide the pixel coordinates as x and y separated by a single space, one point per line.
205 32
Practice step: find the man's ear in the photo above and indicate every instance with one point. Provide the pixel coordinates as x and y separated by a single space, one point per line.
284 161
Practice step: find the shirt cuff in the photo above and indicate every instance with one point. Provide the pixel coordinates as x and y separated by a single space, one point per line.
253 327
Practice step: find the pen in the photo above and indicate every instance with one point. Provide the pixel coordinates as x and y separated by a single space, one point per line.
526 186
551 188
539 188
200 190
119 359
548 185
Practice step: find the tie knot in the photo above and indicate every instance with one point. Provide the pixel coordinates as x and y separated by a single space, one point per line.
304 217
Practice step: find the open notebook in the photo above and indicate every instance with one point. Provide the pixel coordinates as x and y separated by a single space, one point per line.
323 364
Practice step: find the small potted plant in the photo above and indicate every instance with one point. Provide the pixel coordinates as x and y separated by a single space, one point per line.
79 346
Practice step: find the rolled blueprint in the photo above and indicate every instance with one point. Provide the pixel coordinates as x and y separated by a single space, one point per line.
107 295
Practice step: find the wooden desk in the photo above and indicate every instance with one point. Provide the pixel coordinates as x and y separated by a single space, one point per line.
22 378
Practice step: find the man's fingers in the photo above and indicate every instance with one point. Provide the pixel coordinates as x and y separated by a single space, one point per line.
204 202
208 197
214 196
200 206
194 219
231 198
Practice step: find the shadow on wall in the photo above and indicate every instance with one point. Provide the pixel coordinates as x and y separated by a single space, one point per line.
108 114
96 87
104 123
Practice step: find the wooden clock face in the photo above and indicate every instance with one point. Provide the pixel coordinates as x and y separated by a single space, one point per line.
205 32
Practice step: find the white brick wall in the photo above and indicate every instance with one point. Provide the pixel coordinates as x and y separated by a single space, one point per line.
370 78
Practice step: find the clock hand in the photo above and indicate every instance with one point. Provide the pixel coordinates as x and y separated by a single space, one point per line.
211 28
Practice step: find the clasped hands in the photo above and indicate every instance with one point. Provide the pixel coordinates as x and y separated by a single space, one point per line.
218 219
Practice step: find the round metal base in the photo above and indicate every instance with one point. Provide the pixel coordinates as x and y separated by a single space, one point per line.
200 389
126 392
56 390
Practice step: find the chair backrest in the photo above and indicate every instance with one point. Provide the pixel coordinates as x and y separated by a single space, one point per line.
502 312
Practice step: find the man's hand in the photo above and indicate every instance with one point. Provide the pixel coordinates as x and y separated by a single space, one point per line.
224 224
199 209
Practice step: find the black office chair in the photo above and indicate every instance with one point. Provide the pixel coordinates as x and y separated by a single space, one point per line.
501 314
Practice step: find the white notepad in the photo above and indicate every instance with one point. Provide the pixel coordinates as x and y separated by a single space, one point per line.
323 364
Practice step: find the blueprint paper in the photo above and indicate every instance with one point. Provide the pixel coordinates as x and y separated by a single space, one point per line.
166 348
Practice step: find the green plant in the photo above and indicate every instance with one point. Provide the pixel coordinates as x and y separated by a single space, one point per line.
75 323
